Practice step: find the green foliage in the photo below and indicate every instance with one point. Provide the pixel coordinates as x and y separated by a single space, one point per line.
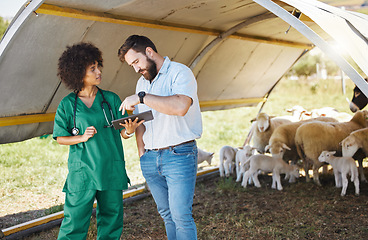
3 26
54 209
226 184
306 65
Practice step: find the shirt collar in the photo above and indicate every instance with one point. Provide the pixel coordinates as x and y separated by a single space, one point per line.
164 68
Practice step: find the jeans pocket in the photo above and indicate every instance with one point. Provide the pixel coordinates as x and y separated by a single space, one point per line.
184 149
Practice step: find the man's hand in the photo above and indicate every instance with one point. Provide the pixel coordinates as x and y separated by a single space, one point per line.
129 103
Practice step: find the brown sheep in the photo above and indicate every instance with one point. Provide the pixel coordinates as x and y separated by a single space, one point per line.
284 137
352 143
314 137
263 128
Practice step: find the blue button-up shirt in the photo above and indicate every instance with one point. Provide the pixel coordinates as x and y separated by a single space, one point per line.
168 130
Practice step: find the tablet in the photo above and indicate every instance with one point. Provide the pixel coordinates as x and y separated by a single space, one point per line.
146 116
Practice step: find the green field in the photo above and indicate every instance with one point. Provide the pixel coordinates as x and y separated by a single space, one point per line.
33 171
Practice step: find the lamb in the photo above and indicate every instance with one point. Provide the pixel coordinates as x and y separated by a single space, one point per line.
342 166
352 143
264 127
266 163
241 157
227 160
284 138
314 137
204 156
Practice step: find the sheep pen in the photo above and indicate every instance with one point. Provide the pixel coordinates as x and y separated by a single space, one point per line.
222 209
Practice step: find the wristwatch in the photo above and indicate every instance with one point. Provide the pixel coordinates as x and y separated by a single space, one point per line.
141 95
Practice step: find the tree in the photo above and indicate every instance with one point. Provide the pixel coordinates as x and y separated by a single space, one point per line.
3 26
306 65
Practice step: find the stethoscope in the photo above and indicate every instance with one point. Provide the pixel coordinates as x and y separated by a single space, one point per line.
75 130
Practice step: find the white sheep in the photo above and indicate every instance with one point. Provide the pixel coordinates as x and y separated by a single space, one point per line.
297 112
204 156
314 137
242 155
262 131
266 163
323 112
352 143
342 166
329 112
227 160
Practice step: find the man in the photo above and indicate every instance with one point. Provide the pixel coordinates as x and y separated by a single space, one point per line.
166 145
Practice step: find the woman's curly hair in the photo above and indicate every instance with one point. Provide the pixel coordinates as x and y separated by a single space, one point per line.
74 61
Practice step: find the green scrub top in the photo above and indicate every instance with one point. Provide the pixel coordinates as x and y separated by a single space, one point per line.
97 164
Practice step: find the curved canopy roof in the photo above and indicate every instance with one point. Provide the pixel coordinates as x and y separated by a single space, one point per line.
238 50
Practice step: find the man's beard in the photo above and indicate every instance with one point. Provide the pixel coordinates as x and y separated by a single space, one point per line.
151 70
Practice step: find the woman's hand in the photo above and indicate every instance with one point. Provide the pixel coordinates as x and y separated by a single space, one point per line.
130 126
88 133
71 140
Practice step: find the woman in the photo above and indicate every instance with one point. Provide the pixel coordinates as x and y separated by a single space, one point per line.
96 159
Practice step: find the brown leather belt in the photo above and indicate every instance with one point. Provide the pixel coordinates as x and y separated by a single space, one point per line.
156 149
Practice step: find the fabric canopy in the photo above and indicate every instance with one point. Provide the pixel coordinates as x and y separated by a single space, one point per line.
238 50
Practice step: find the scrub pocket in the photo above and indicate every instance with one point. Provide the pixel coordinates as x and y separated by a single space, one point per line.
76 180
119 172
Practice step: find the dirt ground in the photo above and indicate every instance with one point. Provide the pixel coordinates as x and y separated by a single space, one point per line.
223 209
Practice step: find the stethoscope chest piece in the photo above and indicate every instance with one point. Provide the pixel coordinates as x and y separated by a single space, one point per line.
75 131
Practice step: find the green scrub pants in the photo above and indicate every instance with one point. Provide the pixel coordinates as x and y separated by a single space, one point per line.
78 210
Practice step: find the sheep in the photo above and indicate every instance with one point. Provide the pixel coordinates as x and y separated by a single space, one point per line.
323 112
266 163
227 160
204 156
355 140
265 125
350 145
241 157
297 112
329 112
342 166
286 117
314 137
284 138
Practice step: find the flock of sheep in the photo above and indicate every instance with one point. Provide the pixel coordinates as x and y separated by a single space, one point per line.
308 139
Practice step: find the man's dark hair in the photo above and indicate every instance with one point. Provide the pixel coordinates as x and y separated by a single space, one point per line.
74 61
137 43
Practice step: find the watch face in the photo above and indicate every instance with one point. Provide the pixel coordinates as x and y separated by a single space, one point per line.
141 96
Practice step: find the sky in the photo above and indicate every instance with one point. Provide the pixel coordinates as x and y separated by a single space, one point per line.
8 8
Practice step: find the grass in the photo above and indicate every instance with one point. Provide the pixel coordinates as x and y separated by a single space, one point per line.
34 171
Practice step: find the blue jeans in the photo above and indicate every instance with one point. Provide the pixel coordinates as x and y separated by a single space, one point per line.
171 176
